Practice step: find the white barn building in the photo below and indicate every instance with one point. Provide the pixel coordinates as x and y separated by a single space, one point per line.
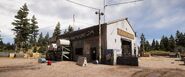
117 36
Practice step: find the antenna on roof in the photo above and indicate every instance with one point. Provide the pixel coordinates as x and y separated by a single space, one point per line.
73 20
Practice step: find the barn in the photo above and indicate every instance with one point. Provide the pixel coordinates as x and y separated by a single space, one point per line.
117 37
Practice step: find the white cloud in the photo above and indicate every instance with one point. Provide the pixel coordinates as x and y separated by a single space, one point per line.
155 14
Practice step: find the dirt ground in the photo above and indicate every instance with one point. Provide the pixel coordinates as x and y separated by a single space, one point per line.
148 67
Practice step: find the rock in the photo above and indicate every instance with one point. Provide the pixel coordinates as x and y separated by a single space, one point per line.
82 61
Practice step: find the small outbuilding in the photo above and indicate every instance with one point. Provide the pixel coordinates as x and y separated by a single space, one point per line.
116 36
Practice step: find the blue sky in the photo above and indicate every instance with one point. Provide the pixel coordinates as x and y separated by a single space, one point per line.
154 18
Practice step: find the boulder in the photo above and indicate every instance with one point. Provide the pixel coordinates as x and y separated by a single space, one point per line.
82 61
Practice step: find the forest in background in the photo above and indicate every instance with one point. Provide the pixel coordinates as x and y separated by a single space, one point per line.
171 43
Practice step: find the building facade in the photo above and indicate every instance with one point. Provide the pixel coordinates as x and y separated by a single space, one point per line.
117 36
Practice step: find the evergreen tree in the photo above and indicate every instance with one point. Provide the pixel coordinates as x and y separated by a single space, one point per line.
34 31
166 44
43 42
162 43
8 46
153 44
65 31
1 43
40 39
172 43
1 46
34 49
21 28
157 46
57 32
179 38
70 29
46 39
147 46
142 43
42 49
183 40
0 37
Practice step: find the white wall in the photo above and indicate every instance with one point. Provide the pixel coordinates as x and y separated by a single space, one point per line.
114 40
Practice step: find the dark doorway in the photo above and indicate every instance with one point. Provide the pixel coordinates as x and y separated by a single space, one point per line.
79 51
126 48
93 53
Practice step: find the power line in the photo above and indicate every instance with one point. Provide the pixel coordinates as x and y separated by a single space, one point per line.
82 5
105 5
123 2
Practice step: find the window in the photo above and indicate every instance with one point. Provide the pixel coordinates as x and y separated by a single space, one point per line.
79 51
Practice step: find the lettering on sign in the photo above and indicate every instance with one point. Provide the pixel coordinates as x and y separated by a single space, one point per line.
83 35
125 34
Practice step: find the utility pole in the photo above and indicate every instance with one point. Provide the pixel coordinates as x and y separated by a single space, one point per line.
99 23
105 5
99 19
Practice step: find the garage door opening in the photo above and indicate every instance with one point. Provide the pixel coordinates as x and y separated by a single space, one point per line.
126 47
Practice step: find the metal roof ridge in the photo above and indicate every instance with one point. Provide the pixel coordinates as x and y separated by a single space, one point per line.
117 20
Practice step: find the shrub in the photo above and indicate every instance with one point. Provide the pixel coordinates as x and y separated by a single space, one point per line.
159 53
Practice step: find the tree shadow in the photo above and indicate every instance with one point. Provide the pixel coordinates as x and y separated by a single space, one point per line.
17 68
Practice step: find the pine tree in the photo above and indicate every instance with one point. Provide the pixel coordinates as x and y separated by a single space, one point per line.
34 49
21 28
43 42
172 43
34 31
46 39
40 40
179 38
142 43
147 46
153 44
70 29
65 31
157 46
57 32
162 43
0 37
1 43
183 40
166 44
